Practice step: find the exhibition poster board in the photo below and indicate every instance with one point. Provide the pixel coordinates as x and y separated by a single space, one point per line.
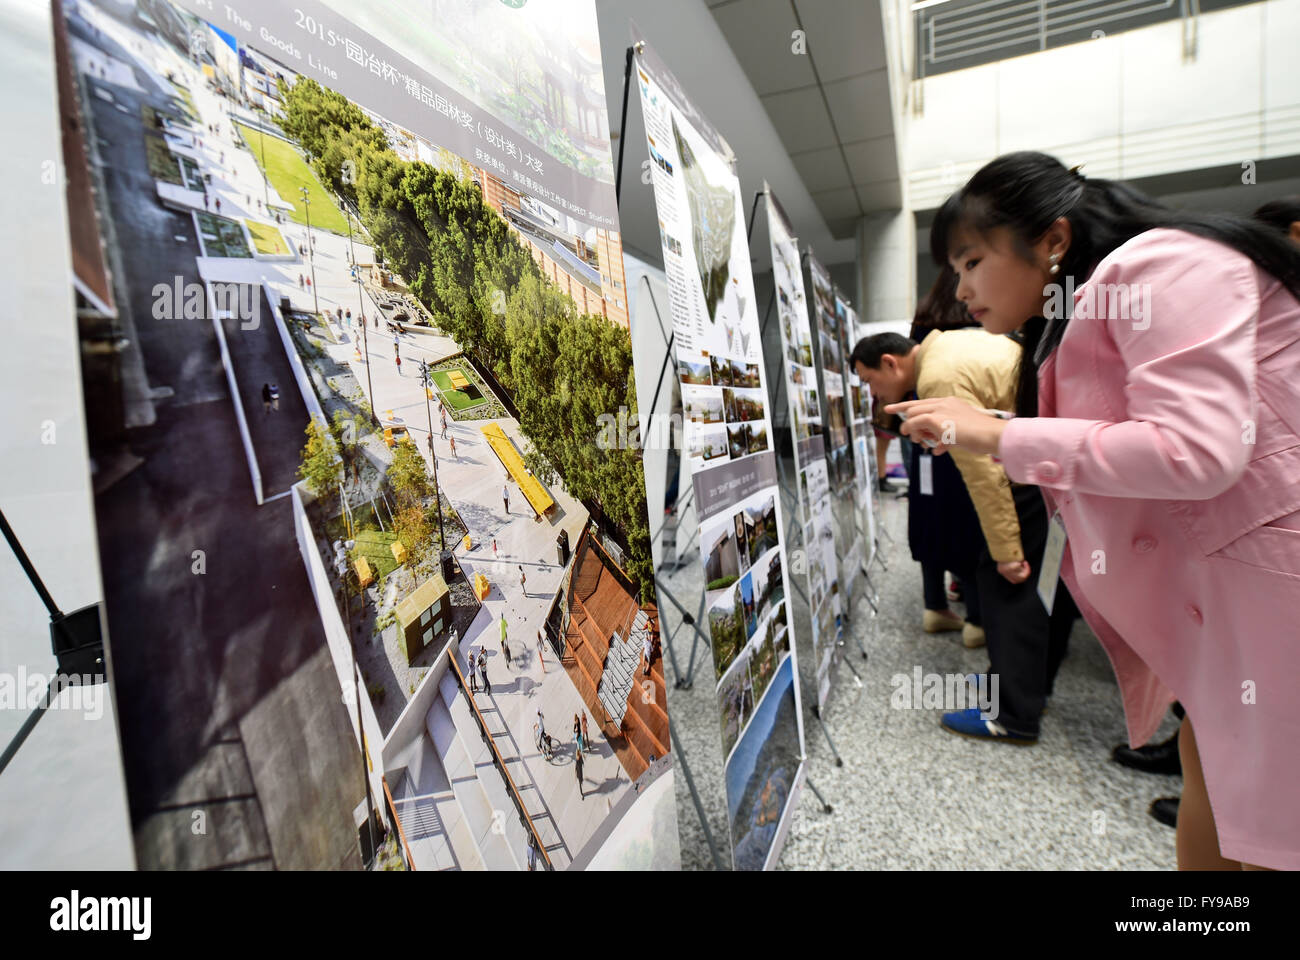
344 193
728 441
813 489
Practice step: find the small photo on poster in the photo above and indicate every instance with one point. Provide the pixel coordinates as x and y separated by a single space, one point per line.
721 560
736 697
706 443
742 405
703 404
771 586
762 663
727 629
748 605
780 629
761 771
742 539
721 368
757 438
694 372
760 527
738 440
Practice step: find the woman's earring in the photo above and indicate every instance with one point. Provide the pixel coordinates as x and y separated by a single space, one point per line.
1054 269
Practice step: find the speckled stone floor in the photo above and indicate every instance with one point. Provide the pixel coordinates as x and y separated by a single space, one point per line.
909 795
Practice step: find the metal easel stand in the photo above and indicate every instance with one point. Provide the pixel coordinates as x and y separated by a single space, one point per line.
687 620
826 807
695 795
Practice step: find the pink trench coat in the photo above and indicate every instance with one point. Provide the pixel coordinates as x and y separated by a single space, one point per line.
1170 443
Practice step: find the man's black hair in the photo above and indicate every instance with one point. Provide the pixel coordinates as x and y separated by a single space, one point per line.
869 350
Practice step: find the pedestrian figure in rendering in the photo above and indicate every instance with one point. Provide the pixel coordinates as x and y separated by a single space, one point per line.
348 317
482 671
649 651
586 737
577 766
398 360
309 283
218 203
577 732
444 435
523 581
541 657
207 201
473 674
266 397
495 554
275 397
300 283
505 497
453 448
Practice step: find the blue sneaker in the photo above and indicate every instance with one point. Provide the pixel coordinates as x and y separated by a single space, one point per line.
972 723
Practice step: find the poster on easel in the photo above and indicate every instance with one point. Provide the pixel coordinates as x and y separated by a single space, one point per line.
330 234
812 487
728 442
845 483
864 448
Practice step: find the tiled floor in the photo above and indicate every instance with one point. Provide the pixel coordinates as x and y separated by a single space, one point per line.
910 796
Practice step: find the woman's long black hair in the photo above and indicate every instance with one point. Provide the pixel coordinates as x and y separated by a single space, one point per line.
1027 191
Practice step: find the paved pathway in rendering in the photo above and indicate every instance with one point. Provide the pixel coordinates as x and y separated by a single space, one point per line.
472 480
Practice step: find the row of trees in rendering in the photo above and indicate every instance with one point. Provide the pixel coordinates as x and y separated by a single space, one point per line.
563 369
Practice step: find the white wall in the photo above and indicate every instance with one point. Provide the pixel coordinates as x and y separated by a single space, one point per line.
1125 106
63 798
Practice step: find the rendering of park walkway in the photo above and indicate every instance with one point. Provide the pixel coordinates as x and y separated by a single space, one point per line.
472 480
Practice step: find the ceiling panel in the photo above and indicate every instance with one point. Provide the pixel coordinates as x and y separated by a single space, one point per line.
879 195
822 169
801 119
760 35
860 106
847 38
873 159
832 107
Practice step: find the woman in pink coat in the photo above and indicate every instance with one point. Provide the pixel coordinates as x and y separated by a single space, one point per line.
1167 438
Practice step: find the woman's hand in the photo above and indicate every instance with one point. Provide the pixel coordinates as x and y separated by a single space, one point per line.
949 422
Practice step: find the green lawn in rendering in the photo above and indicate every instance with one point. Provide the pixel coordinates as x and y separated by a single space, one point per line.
222 237
376 547
458 399
162 164
287 172
267 238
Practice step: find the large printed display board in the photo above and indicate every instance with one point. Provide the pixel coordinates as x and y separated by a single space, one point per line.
813 490
514 87
728 438
847 486
334 231
864 448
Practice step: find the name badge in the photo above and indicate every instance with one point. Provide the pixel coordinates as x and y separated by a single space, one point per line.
1053 553
927 475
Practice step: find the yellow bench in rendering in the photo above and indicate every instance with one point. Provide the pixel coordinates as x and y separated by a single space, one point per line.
531 487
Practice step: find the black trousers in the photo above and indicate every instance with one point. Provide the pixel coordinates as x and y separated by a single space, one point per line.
936 595
1025 645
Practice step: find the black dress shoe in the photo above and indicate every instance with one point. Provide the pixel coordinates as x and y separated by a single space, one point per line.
1165 809
1152 758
